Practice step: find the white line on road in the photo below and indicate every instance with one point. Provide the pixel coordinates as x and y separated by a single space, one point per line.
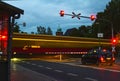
22 61
29 73
48 68
40 66
33 64
104 69
91 79
58 70
72 74
94 67
109 70
28 62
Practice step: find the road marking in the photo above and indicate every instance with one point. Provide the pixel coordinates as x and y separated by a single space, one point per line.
40 66
37 74
103 69
109 70
91 79
58 71
22 61
33 64
72 74
94 67
28 62
48 68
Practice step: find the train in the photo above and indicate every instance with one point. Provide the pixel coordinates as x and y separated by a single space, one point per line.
46 44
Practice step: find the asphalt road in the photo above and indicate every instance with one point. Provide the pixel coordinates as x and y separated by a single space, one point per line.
69 72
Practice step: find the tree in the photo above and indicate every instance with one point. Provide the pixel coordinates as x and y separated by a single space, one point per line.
72 32
24 32
108 19
16 29
32 32
112 12
41 30
82 31
49 31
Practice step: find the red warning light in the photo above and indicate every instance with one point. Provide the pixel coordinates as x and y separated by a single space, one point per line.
62 13
3 37
92 17
114 41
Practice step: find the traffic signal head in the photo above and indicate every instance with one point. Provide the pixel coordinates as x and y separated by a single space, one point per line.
62 13
24 24
92 17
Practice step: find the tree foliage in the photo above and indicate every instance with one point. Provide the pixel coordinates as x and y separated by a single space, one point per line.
16 29
106 20
49 31
83 31
43 30
109 19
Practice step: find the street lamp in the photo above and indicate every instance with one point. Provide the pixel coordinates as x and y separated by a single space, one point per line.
112 32
99 35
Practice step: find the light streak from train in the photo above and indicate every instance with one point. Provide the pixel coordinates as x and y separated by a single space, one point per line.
39 40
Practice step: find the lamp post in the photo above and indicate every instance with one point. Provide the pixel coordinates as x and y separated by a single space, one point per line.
112 32
99 35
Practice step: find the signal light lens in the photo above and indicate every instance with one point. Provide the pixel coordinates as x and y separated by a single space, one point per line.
62 13
92 17
104 50
3 37
102 59
113 58
114 41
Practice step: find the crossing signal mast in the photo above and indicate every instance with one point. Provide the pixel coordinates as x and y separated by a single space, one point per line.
62 13
114 42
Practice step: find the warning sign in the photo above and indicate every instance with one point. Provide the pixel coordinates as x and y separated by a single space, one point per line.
100 34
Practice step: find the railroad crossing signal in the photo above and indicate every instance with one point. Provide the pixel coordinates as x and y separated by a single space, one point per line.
62 13
76 15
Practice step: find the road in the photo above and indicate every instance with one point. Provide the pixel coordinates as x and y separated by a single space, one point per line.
70 72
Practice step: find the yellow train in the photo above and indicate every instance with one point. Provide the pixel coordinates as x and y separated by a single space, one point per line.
28 43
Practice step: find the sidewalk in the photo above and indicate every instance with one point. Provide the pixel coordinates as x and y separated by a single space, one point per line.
19 73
